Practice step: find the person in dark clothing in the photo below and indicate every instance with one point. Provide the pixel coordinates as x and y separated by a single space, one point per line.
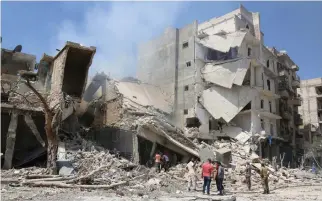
216 177
166 162
221 173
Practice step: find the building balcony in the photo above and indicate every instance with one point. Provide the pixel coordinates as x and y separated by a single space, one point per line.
297 119
268 114
295 67
267 92
286 115
282 73
296 83
296 101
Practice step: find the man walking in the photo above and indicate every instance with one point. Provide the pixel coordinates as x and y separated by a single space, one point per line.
220 176
264 176
166 162
248 174
206 173
192 180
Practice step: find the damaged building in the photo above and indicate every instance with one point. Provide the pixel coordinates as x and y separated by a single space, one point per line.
23 135
311 112
218 72
132 118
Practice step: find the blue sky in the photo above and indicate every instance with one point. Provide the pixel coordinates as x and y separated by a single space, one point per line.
116 28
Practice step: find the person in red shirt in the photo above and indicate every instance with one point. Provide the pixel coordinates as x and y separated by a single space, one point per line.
158 161
206 173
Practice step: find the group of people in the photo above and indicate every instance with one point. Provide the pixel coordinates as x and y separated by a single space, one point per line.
209 171
161 161
215 170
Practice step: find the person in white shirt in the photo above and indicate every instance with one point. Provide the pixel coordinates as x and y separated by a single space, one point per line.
192 178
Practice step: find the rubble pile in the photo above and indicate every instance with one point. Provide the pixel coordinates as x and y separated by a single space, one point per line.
241 153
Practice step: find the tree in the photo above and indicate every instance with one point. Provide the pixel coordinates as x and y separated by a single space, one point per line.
50 127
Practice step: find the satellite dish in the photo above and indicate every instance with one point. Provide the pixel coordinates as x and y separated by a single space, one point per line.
18 48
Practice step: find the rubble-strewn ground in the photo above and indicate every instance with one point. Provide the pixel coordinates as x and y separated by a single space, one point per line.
94 165
300 193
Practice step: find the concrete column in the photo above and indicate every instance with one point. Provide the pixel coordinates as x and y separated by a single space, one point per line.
30 122
153 149
11 140
135 151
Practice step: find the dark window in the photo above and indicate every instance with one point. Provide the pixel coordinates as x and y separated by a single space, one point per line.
267 63
188 63
262 104
247 27
249 50
185 111
269 85
270 106
262 124
186 88
185 45
272 129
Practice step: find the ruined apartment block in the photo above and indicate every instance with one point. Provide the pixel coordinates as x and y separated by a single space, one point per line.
311 109
217 72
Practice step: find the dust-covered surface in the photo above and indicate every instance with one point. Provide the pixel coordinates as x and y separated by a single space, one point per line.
306 193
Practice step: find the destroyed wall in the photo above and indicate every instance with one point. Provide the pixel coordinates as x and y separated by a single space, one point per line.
158 62
71 59
26 146
11 62
188 77
116 138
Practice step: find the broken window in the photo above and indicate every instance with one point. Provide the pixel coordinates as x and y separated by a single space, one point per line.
270 106
192 122
247 107
262 124
185 45
188 63
262 104
186 88
249 51
269 85
267 63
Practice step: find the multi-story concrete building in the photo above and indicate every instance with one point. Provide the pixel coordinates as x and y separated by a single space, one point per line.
288 126
311 110
217 71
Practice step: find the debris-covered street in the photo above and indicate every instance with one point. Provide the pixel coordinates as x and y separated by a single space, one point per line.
212 114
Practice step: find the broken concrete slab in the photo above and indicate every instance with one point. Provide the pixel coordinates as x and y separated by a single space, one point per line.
223 155
230 101
205 154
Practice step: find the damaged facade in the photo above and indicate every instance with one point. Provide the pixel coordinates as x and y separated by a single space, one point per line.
311 112
218 72
133 118
22 111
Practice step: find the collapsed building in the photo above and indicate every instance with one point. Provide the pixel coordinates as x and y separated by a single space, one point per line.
219 72
23 135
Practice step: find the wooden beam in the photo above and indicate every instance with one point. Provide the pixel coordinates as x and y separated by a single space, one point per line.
11 140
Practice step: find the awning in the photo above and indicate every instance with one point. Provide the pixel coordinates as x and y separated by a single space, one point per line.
228 73
229 102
